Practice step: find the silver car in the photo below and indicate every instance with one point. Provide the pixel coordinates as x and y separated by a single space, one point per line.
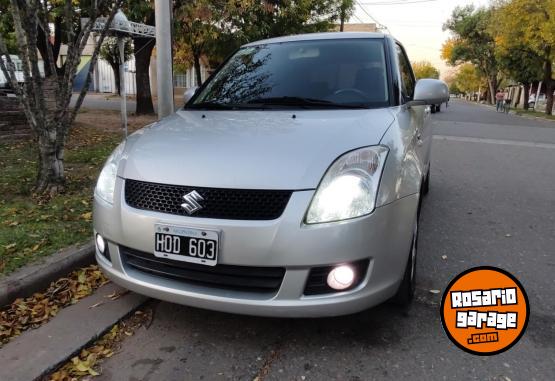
289 185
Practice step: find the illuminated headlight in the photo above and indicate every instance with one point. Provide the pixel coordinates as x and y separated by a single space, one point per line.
349 187
107 180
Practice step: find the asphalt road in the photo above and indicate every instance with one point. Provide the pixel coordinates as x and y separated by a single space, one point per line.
492 202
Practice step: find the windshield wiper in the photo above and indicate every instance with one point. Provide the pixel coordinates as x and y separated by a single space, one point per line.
304 102
212 106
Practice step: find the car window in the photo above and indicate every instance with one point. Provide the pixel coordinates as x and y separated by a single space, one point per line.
342 71
407 78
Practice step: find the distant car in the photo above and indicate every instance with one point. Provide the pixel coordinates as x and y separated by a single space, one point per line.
289 185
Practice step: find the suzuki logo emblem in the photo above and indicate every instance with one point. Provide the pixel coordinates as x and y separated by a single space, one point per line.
191 203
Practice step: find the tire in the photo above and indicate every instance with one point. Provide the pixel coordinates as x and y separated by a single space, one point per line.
405 293
433 109
426 183
438 108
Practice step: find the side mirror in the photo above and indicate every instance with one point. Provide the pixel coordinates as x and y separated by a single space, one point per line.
430 92
187 95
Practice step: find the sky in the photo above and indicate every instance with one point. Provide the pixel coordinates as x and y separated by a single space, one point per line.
417 24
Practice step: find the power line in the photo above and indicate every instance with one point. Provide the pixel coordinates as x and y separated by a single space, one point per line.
378 24
358 18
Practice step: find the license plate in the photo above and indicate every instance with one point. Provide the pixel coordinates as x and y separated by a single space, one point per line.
186 244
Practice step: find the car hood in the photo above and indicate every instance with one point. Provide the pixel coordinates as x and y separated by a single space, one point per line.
249 149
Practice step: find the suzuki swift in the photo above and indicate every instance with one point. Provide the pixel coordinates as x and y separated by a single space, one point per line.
288 185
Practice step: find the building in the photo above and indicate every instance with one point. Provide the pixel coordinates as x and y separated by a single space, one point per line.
361 27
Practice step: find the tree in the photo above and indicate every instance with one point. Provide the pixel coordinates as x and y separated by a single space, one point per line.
196 22
214 29
267 19
109 52
346 10
425 69
46 101
522 65
143 12
526 32
472 42
467 79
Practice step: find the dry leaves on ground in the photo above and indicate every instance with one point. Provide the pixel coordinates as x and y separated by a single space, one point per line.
38 309
87 364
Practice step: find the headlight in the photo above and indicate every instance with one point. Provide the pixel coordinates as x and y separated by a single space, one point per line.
349 187
107 180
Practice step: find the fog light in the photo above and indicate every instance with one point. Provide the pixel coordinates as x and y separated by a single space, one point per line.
100 243
341 277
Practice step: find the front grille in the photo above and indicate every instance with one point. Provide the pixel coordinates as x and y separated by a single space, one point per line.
231 204
240 278
317 282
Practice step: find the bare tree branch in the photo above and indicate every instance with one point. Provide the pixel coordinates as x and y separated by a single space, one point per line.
93 61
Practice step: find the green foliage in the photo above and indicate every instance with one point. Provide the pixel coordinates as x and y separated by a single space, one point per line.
110 51
472 41
466 80
6 27
425 69
139 11
525 36
346 10
214 29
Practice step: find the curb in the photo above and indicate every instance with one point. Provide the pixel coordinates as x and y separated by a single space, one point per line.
37 352
531 117
37 277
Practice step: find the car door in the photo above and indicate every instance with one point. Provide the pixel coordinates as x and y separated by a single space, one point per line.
416 118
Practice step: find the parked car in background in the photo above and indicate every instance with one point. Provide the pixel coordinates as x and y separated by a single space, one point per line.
4 83
18 69
289 185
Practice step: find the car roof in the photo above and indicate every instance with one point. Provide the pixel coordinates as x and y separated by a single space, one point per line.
317 36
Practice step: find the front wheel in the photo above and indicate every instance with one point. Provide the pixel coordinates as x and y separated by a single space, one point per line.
405 293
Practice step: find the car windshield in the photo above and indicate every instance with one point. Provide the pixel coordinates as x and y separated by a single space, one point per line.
341 73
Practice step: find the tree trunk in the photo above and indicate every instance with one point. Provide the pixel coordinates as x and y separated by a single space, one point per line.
492 84
51 141
143 51
549 87
198 76
115 69
342 21
50 178
526 95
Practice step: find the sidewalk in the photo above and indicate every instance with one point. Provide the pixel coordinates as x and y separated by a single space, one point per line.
108 101
512 111
39 351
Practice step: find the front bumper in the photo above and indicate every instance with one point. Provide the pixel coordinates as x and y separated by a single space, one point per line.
384 237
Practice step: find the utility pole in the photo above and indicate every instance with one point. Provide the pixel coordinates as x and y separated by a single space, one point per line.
164 64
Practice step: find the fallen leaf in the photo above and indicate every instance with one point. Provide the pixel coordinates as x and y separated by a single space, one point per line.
87 216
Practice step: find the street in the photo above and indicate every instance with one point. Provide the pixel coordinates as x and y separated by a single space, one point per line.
491 202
